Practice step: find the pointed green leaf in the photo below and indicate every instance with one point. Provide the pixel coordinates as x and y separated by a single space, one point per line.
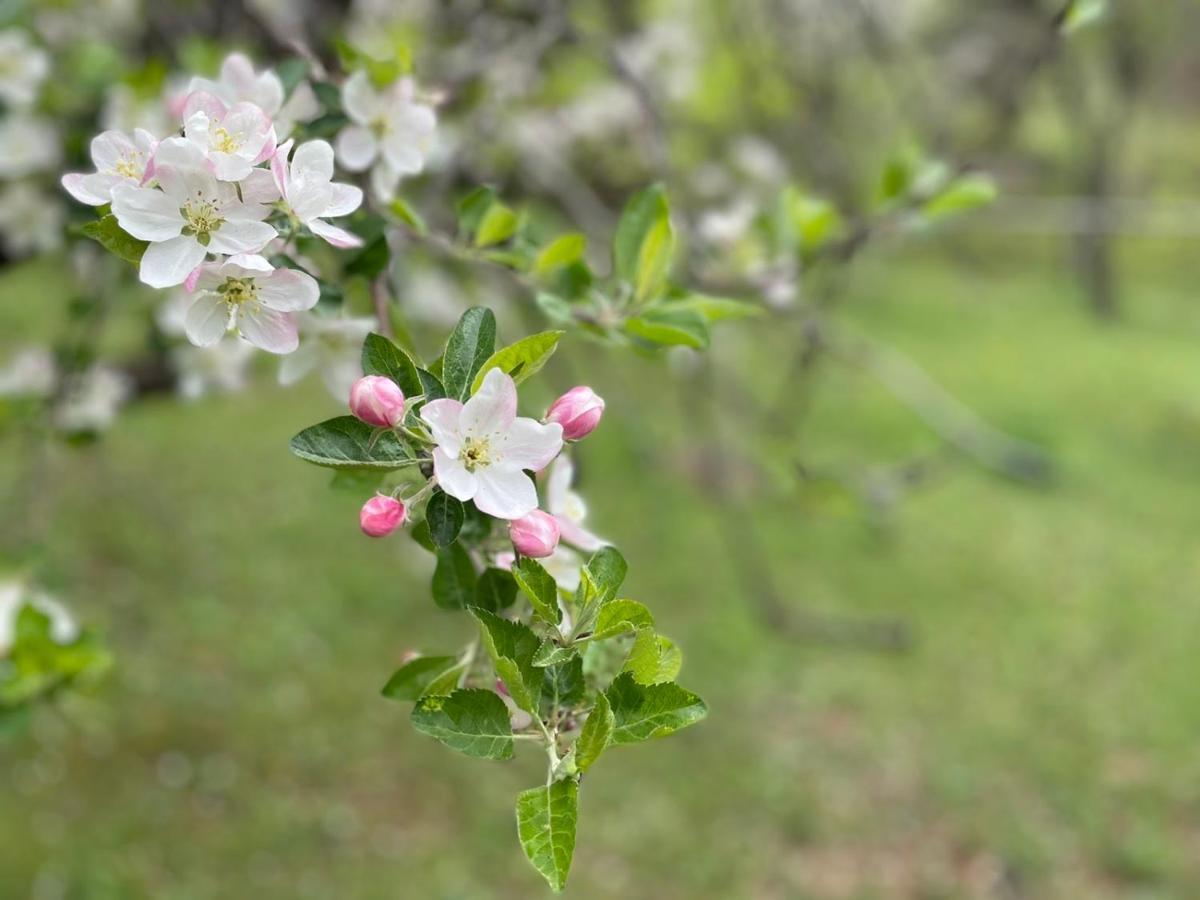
471 343
445 517
562 251
472 208
498 224
653 658
965 193
546 819
107 232
541 589
642 712
621 617
431 385
644 243
562 684
511 646
495 590
714 309
347 443
413 680
409 216
597 732
471 721
550 654
670 327
382 357
453 578
521 360
603 575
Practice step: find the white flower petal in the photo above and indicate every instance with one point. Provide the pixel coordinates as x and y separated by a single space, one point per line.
346 199
338 237
288 290
109 147
493 408
442 417
207 320
313 162
453 476
504 493
356 148
230 167
147 214
360 100
170 262
558 484
237 236
578 536
528 444
296 365
94 190
273 331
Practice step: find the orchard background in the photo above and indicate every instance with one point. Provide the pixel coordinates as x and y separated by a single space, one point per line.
923 524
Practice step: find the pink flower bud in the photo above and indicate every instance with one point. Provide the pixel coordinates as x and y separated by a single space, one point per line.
377 401
381 515
578 411
534 535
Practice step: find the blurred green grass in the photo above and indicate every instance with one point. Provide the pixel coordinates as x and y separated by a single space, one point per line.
1038 740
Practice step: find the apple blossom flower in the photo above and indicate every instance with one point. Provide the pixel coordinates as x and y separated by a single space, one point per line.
381 515
221 367
239 83
119 159
483 448
534 534
23 67
92 400
331 345
30 373
377 401
307 188
247 293
234 138
14 596
30 220
28 144
578 411
389 130
192 215
567 507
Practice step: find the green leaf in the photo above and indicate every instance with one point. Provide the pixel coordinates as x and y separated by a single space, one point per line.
431 385
621 617
551 654
644 243
445 517
541 589
415 678
380 356
597 732
602 576
562 251
409 216
498 224
511 645
453 578
471 721
964 193
1082 13
562 684
495 590
471 343
472 208
546 819
714 309
521 360
347 443
670 327
642 712
107 232
653 658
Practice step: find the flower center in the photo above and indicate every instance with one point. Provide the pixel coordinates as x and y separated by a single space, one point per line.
202 219
222 140
129 167
236 291
474 453
381 126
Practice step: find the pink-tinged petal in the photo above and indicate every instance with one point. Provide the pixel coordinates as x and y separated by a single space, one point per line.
204 102
147 214
356 148
259 187
279 167
94 190
193 279
110 147
309 199
578 536
229 167
207 320
238 236
493 408
313 162
269 330
528 444
453 476
442 418
558 484
360 100
338 237
504 493
288 290
169 263
346 199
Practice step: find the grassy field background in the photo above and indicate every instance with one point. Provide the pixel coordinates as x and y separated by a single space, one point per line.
1037 739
